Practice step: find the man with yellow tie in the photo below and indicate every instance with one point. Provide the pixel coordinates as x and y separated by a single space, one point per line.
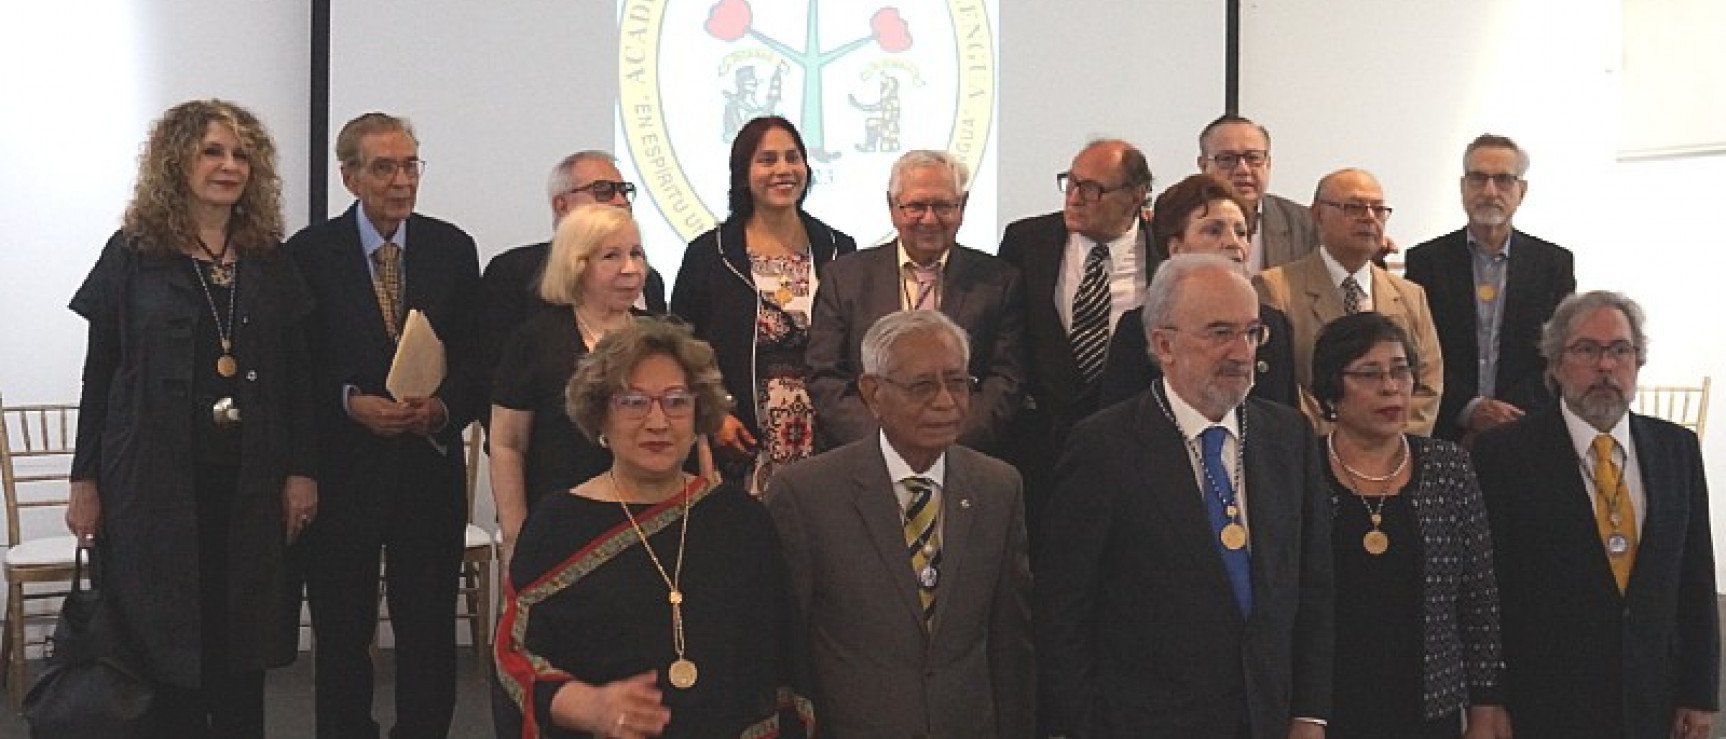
1601 539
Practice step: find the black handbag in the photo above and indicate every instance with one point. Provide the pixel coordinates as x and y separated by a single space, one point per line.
92 686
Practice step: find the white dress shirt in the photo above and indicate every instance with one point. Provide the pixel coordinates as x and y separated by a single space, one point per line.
1126 279
1582 435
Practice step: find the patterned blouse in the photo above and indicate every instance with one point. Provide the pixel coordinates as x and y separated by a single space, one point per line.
1460 612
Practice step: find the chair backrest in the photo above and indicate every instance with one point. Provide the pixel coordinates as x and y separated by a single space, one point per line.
35 459
1684 405
472 439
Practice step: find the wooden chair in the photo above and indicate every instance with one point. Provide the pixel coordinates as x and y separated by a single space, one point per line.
1686 406
35 465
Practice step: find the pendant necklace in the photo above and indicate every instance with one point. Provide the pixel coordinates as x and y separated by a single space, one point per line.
682 672
1233 534
221 273
225 364
584 330
1375 542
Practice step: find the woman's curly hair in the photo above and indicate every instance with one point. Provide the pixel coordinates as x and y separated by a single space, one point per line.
159 218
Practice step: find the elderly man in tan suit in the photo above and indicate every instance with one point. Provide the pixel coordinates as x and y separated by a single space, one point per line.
1339 278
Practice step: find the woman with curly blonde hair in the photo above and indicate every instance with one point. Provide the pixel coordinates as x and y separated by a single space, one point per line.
194 456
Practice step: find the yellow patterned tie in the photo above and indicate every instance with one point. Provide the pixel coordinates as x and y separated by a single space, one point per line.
923 542
387 284
1614 513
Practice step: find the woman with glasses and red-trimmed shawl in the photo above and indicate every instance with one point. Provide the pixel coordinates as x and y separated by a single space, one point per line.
646 601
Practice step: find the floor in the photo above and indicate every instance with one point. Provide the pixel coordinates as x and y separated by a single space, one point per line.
289 696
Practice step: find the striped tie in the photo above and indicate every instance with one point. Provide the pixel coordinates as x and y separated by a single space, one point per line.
928 281
1090 333
387 284
923 541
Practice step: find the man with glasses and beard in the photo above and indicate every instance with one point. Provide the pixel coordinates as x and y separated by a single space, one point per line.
1184 581
509 290
1487 306
1602 545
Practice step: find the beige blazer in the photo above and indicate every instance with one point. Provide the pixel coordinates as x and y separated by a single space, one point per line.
1303 290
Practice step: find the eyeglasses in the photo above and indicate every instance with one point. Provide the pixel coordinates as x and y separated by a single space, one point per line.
1230 159
1378 211
1399 374
942 211
925 391
1479 179
603 190
634 405
1592 351
1088 190
1222 334
384 169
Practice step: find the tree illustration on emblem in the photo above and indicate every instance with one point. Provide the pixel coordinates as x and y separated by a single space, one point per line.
730 20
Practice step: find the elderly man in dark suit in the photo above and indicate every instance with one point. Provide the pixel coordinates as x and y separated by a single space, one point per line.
1486 305
509 288
1603 548
924 269
1084 266
1184 578
907 556
1238 151
392 469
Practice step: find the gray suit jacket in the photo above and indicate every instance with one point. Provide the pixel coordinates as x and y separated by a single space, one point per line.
860 650
979 292
1289 233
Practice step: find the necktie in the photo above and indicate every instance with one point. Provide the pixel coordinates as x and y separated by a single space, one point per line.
1090 333
387 284
1352 296
1219 498
923 542
1614 513
928 286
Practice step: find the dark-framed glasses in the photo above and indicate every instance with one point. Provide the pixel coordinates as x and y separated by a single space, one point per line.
1592 351
942 210
1221 334
1231 159
1478 180
384 169
1399 374
1088 190
634 405
1378 211
926 389
603 190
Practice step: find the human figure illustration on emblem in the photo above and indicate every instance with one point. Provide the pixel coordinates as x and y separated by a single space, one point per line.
730 20
881 131
740 104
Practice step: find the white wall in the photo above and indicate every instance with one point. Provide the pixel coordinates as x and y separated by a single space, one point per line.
1400 89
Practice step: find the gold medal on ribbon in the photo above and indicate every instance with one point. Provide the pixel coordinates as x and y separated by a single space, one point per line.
1486 291
1233 536
682 674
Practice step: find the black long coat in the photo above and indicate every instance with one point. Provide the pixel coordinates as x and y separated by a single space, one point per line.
135 439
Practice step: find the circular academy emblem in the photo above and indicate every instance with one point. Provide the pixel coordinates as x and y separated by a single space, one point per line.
863 82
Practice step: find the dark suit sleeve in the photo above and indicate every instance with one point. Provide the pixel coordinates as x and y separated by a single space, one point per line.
1128 370
502 306
1077 528
841 416
782 504
302 380
463 391
1315 622
998 393
1012 665
1698 629
653 293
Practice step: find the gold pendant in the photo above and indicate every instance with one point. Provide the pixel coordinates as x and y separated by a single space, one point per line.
1487 292
682 674
1233 536
221 275
783 295
226 366
1375 542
